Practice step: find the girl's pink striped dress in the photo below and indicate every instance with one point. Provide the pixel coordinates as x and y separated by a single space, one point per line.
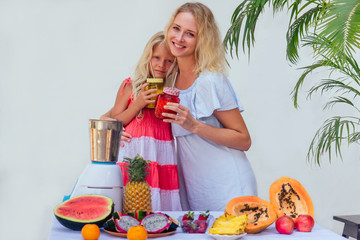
153 140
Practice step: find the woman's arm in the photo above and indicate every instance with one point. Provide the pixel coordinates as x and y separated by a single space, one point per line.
234 134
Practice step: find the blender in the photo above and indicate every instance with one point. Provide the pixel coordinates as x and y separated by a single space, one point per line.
103 176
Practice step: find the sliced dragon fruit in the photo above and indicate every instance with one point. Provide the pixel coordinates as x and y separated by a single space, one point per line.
174 224
156 223
125 222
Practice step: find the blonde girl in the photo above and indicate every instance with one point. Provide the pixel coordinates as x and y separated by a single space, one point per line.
150 137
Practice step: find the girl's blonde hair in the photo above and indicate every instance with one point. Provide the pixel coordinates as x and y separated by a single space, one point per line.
209 52
142 70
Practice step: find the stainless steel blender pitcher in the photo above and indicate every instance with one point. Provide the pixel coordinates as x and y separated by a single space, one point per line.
103 176
105 140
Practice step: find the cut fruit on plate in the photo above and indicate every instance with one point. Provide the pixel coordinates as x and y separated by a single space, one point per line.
225 237
150 235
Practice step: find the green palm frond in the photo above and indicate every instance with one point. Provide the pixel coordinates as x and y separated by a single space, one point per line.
299 29
355 137
245 17
308 69
340 87
331 29
330 136
350 83
341 26
337 100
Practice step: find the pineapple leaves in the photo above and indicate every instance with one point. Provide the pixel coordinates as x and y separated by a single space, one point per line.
137 168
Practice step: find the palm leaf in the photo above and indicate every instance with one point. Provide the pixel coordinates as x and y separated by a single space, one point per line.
341 26
245 18
308 69
330 84
298 29
351 71
330 136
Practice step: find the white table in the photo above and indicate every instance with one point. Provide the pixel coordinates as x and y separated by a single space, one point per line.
59 232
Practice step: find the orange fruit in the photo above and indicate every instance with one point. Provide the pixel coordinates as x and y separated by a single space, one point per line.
137 233
90 232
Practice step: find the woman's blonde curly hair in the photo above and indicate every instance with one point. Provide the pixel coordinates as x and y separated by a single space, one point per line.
210 51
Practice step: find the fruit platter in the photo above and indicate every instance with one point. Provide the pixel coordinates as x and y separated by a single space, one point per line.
156 224
289 212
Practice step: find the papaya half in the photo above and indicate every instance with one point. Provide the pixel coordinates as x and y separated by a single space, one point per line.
290 198
260 213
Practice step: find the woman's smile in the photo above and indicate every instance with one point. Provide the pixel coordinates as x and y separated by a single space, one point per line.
182 35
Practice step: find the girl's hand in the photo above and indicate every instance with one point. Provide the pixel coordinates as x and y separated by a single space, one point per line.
145 97
107 118
182 117
126 137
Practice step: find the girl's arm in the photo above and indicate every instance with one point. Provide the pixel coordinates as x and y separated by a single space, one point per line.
121 111
106 116
234 134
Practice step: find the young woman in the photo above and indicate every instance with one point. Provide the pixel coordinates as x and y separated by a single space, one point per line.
210 132
150 137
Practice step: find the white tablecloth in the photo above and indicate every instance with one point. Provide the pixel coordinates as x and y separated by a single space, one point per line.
59 232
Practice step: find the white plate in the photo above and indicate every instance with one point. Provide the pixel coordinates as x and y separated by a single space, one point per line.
225 237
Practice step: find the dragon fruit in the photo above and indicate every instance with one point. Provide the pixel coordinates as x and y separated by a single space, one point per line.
125 222
156 223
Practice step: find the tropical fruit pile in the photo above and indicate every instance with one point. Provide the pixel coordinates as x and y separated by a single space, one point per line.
287 198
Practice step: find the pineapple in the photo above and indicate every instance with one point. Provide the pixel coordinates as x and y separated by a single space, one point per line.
229 225
137 195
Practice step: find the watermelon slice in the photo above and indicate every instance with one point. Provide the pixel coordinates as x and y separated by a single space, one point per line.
75 212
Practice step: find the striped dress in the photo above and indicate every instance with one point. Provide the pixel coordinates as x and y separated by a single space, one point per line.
153 140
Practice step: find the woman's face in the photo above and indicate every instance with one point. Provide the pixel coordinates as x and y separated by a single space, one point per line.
161 60
183 35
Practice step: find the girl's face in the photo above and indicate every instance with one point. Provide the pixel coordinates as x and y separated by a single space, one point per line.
161 60
183 35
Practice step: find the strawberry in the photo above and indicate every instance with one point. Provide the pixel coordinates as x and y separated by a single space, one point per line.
202 223
200 230
188 216
204 216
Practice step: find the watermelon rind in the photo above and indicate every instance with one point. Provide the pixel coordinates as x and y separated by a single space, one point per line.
74 222
156 223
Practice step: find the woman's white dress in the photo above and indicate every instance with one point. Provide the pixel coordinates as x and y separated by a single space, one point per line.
210 174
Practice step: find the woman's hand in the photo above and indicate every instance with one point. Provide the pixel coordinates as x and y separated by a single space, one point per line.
126 137
145 97
234 133
182 117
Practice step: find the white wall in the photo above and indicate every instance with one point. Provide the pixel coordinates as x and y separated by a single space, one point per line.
61 63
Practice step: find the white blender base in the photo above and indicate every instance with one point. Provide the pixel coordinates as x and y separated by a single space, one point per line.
103 179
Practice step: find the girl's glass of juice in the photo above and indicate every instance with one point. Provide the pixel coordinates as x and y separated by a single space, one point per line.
154 83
